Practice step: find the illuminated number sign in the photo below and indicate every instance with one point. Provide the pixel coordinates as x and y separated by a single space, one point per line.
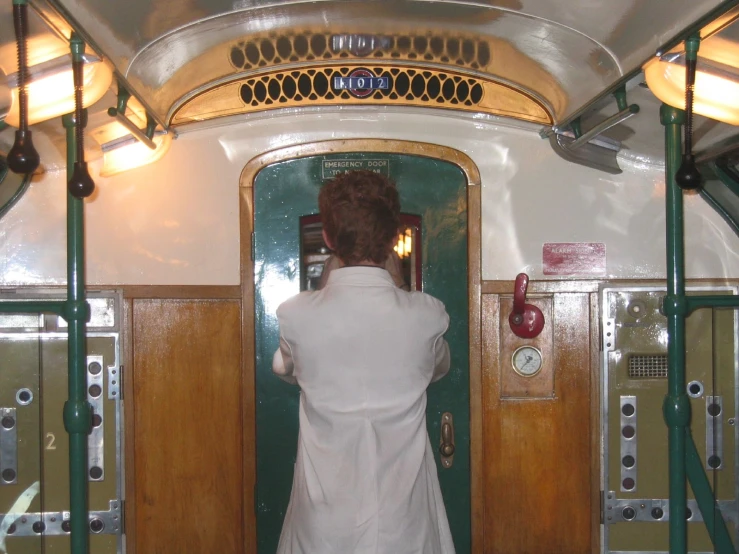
361 83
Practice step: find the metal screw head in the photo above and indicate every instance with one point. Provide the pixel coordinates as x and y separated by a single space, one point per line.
96 525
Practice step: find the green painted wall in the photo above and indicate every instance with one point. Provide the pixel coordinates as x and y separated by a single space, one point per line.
435 190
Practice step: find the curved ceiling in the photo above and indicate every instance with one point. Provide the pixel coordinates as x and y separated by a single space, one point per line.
562 53
535 60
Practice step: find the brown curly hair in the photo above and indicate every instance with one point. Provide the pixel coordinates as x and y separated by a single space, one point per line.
360 211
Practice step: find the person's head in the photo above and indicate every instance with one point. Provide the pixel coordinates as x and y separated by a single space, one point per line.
360 211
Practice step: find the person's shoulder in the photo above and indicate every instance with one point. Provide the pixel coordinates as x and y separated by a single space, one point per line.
427 302
295 304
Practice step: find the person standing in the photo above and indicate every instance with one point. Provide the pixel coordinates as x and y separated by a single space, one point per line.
363 352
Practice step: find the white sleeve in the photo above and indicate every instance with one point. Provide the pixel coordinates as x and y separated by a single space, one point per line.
442 359
282 363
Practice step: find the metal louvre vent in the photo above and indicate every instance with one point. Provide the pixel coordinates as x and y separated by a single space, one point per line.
407 85
309 46
648 366
396 84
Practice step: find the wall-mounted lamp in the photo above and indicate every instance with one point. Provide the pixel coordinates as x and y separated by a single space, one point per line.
404 246
127 152
716 81
50 88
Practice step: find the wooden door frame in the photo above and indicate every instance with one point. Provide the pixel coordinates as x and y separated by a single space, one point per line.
474 277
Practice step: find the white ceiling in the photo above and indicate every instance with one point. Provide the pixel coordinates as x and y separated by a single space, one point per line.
575 50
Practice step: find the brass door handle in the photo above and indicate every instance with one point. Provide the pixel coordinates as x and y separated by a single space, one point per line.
446 446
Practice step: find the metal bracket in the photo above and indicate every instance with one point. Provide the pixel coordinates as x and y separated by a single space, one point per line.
714 433
8 447
624 510
96 439
628 443
446 441
108 522
119 113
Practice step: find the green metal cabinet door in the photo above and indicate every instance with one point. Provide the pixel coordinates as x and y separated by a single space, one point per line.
34 446
284 192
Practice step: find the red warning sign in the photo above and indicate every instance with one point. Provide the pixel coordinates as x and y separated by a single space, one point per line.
586 259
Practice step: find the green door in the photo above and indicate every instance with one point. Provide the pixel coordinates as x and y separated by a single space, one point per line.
284 194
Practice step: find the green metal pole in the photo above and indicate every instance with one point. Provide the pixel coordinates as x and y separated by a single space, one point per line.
695 302
77 410
58 307
676 407
712 517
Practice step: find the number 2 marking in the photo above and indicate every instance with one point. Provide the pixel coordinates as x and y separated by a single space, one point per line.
51 438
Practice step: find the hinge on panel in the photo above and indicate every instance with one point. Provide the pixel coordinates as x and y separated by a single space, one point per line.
602 507
123 517
253 252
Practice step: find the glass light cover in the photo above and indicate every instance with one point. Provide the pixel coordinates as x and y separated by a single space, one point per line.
134 154
53 95
715 96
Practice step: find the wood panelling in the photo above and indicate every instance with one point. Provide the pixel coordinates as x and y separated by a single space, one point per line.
249 410
477 491
188 426
211 292
538 452
129 423
513 385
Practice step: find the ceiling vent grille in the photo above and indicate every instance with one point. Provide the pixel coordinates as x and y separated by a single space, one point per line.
422 87
409 85
648 366
309 46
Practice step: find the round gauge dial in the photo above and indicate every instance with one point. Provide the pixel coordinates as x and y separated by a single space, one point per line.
527 361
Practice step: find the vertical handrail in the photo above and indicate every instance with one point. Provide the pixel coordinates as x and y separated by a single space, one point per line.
710 511
676 406
77 410
684 460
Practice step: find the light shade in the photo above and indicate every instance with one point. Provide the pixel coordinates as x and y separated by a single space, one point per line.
51 90
716 93
128 153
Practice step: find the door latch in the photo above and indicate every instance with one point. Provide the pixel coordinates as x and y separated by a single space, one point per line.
446 446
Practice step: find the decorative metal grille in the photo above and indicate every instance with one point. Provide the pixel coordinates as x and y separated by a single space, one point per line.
653 366
407 86
308 46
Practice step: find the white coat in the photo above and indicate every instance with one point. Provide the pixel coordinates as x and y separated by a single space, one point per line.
363 352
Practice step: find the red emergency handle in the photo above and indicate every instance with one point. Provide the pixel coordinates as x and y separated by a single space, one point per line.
526 320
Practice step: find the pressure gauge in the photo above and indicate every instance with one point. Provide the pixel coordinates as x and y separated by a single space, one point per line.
527 361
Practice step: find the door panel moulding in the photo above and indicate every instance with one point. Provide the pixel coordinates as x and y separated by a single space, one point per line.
472 174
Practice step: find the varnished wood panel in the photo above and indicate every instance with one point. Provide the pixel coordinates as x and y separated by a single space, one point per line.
129 423
210 292
474 296
595 424
246 215
513 385
537 453
477 493
188 441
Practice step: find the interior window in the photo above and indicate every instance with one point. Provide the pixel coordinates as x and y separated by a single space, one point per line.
317 260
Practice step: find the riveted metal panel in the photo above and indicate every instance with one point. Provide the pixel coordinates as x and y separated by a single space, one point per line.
634 361
34 511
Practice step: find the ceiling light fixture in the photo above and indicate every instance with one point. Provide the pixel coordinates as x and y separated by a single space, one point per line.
128 152
50 88
716 81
